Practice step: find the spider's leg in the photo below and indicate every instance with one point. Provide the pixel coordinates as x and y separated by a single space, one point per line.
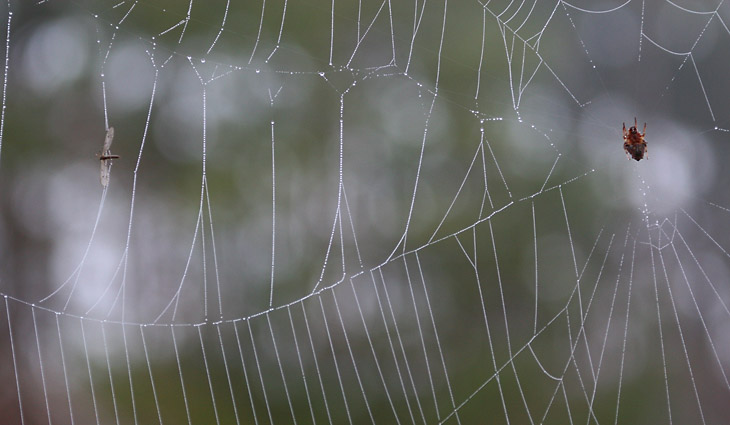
644 133
634 121
624 130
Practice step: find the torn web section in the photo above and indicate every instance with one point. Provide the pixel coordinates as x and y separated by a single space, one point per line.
429 235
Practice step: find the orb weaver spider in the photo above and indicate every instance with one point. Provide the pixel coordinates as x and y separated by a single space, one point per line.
634 142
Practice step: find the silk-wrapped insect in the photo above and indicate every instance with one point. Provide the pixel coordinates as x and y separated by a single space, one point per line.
106 157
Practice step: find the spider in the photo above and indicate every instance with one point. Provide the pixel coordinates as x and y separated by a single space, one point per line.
634 142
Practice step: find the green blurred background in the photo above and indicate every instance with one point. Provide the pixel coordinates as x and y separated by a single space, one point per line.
388 212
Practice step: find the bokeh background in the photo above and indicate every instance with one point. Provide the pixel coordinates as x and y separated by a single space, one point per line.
364 212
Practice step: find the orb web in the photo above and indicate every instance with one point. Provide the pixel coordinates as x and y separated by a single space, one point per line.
350 212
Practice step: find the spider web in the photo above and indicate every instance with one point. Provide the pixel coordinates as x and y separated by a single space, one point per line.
364 212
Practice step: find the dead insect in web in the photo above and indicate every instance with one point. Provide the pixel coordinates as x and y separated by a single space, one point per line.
634 142
106 157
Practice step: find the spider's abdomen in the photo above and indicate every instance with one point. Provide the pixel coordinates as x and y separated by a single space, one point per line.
636 151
